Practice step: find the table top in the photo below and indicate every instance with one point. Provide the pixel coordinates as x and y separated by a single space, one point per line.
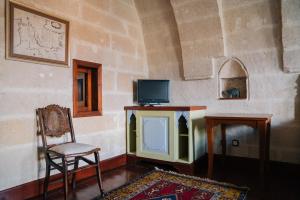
240 116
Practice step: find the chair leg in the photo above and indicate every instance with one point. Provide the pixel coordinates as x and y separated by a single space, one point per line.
65 172
74 174
46 181
98 172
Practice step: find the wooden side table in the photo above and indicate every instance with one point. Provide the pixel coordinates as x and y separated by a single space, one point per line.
261 122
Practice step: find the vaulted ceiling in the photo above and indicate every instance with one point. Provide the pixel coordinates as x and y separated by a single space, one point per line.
202 31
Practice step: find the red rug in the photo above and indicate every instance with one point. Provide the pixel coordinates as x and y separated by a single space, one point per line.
162 185
168 190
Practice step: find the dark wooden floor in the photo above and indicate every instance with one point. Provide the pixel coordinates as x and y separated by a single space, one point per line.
283 184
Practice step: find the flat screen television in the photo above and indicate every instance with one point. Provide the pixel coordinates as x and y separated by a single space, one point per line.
150 92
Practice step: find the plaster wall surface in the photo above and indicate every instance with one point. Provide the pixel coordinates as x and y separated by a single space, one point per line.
102 31
290 10
251 31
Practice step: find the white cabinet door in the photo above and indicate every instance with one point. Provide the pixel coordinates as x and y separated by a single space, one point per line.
155 135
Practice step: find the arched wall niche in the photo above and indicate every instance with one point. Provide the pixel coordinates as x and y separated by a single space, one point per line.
233 80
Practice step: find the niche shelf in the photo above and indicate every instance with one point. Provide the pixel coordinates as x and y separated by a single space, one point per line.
233 80
132 133
183 140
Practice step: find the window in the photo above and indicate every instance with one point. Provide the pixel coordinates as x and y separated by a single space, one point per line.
87 88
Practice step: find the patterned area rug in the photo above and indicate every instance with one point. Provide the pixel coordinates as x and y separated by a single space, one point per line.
163 185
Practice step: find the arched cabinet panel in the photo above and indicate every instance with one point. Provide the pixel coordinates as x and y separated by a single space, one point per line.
183 139
131 131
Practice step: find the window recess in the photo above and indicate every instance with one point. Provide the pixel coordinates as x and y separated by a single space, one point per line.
87 88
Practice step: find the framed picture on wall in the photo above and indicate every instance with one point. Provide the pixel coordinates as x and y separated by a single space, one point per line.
34 36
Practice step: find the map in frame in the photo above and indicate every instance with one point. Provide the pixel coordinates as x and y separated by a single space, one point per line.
36 36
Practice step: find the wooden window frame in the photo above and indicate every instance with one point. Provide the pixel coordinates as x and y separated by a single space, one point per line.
94 101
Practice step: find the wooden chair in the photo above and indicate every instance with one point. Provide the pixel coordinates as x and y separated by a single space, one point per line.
56 121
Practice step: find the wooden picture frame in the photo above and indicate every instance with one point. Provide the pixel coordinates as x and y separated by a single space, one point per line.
34 36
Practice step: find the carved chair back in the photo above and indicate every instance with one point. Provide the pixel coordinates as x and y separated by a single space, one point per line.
54 121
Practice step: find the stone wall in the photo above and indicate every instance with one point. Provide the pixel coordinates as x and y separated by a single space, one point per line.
251 31
290 10
102 31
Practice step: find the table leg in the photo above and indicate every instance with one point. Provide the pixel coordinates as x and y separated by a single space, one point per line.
267 153
210 148
223 132
262 130
268 143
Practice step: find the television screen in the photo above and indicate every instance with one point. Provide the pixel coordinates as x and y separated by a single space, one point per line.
153 91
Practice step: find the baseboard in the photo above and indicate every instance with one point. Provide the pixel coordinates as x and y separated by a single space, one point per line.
35 188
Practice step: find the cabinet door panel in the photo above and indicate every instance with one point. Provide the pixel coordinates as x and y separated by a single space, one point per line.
155 138
156 135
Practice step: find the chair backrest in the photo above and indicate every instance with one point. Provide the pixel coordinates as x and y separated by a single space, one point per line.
54 121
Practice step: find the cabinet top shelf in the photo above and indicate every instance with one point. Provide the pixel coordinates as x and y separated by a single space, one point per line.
166 108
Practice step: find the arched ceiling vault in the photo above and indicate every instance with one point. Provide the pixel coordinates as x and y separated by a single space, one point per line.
182 37
191 27
200 32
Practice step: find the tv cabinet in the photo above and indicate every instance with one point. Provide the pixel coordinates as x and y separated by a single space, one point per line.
166 134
